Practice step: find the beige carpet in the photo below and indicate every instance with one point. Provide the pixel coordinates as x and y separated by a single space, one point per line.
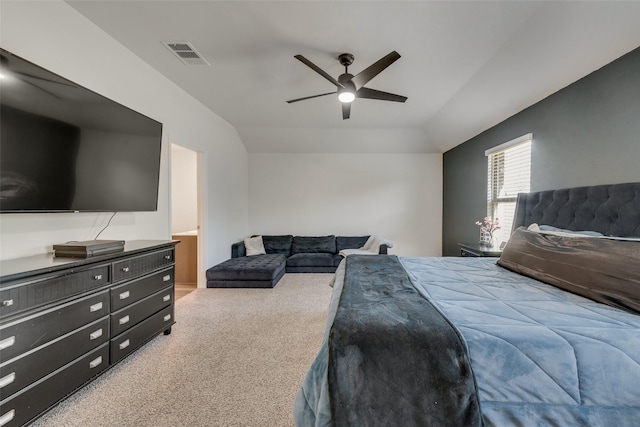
236 357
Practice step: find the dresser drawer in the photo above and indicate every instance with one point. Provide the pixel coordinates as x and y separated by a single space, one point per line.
25 295
33 331
143 264
134 337
135 313
135 290
28 403
30 367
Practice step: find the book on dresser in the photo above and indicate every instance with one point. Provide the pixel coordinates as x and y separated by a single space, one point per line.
88 248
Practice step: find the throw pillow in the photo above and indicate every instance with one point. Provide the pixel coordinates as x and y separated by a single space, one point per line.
254 246
602 269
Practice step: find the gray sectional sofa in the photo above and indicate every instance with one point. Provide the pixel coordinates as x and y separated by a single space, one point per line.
284 254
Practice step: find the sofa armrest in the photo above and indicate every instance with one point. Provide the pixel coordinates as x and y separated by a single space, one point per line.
238 250
383 249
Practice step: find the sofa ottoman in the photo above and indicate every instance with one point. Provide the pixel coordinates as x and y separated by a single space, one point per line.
258 271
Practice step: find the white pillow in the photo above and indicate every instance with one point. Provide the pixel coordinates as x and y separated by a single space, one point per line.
254 246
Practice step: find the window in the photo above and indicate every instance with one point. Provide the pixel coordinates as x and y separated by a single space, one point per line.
509 166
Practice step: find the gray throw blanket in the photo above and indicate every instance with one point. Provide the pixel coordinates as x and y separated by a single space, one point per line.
394 360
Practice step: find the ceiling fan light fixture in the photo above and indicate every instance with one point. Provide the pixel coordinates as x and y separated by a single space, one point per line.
346 93
346 96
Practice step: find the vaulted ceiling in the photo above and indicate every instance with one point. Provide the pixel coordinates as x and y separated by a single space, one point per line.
465 65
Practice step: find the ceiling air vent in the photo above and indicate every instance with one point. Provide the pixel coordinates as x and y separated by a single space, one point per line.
186 53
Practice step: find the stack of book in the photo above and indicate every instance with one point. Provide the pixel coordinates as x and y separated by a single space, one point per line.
88 248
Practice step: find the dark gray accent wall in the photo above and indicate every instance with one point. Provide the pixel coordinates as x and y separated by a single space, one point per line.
585 134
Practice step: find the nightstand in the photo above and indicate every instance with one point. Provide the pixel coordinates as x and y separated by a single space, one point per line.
478 250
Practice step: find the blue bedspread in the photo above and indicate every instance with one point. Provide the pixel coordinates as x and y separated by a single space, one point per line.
540 356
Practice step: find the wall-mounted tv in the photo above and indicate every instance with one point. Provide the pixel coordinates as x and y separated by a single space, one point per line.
65 148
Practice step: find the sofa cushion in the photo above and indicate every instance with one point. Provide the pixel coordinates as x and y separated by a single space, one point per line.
323 244
311 260
350 242
257 267
277 244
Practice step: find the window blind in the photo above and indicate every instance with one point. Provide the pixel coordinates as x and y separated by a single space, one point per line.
509 173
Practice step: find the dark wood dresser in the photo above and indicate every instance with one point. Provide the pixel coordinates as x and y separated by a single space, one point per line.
63 321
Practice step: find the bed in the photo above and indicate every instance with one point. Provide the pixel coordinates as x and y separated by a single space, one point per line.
549 335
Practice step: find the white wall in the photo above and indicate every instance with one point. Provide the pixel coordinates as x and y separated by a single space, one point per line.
55 36
184 186
396 196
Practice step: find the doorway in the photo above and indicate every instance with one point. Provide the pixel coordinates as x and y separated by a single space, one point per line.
184 217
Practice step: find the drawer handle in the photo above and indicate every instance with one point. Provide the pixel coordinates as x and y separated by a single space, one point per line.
123 320
166 298
124 295
97 277
7 417
95 307
7 342
124 344
125 269
7 303
167 257
167 317
96 334
166 278
8 379
95 362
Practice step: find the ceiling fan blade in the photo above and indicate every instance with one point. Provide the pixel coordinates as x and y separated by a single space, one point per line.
365 92
373 70
318 70
346 110
312 96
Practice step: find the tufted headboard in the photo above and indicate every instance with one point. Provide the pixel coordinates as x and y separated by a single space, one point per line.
613 210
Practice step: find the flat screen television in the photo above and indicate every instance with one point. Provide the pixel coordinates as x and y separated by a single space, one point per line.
65 148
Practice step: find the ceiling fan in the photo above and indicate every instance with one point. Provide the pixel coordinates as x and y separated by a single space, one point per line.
351 87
